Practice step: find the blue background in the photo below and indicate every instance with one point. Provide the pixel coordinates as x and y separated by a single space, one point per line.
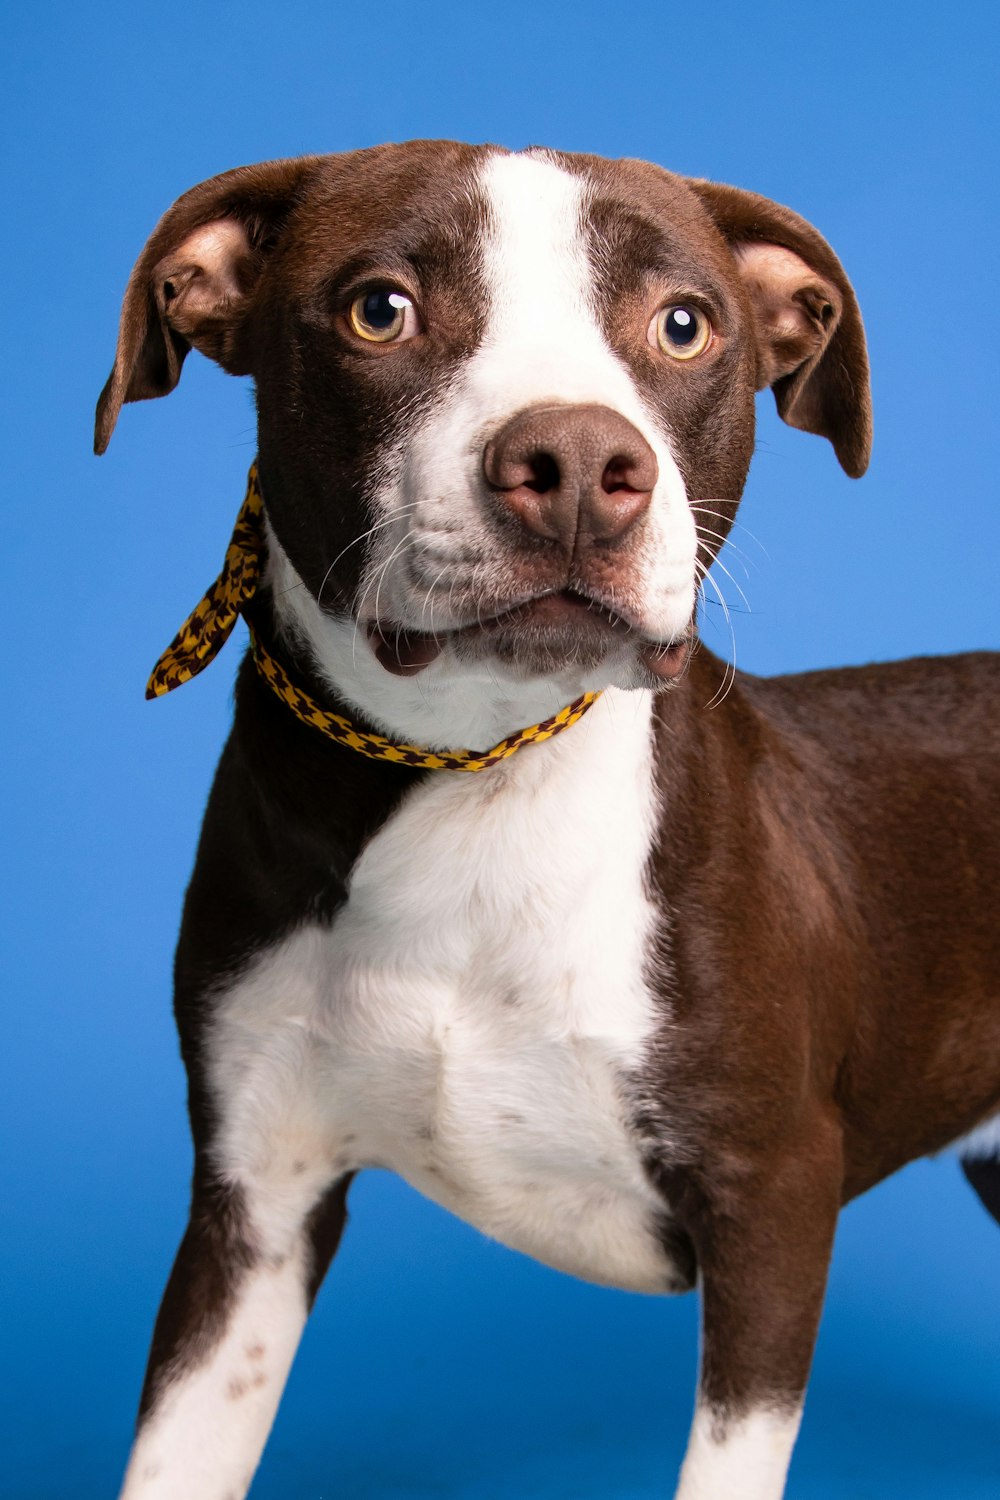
438 1364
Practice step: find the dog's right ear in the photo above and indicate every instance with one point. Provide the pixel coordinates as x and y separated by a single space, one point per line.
192 284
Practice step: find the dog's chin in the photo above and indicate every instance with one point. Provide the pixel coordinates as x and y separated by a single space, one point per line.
552 634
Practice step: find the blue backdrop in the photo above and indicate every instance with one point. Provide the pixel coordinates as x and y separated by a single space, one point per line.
438 1364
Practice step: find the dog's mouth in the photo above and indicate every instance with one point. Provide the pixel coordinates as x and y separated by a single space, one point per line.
560 625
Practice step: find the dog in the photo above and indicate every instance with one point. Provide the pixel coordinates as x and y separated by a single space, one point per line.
690 958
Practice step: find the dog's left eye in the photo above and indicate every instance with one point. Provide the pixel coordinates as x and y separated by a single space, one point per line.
384 316
680 330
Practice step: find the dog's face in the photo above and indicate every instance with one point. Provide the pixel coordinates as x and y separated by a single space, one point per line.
505 401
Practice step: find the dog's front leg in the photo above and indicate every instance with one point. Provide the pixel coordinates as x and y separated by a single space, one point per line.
227 1330
764 1242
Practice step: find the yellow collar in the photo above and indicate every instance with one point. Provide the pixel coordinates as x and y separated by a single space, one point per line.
208 627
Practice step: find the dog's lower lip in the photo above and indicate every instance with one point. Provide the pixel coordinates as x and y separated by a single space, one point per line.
405 652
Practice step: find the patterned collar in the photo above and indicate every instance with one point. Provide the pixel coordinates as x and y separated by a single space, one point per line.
208 627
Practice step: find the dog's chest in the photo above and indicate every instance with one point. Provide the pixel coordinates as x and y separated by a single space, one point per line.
474 1016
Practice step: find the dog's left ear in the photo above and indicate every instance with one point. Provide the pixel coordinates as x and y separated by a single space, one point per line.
810 339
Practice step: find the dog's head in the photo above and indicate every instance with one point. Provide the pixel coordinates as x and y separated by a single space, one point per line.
505 403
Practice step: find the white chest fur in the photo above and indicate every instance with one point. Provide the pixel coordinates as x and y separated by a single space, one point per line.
470 1018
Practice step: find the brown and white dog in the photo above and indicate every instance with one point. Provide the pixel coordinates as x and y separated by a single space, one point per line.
650 1000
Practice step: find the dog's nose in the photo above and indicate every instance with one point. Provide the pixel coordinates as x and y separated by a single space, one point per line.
572 474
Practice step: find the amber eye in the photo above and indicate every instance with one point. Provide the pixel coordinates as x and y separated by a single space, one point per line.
384 316
680 330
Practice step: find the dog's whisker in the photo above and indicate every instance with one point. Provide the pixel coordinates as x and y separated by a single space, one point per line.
475 594
703 568
722 568
375 582
729 676
727 543
429 594
378 526
451 595
733 521
400 546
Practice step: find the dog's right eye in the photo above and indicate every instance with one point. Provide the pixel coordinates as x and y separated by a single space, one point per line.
384 315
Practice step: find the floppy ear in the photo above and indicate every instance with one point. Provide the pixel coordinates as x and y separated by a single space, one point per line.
192 283
810 339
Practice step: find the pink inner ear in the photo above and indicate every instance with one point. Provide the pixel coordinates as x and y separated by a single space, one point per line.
201 278
790 301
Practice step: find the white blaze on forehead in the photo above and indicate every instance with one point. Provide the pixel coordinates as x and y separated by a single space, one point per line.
543 340
539 283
